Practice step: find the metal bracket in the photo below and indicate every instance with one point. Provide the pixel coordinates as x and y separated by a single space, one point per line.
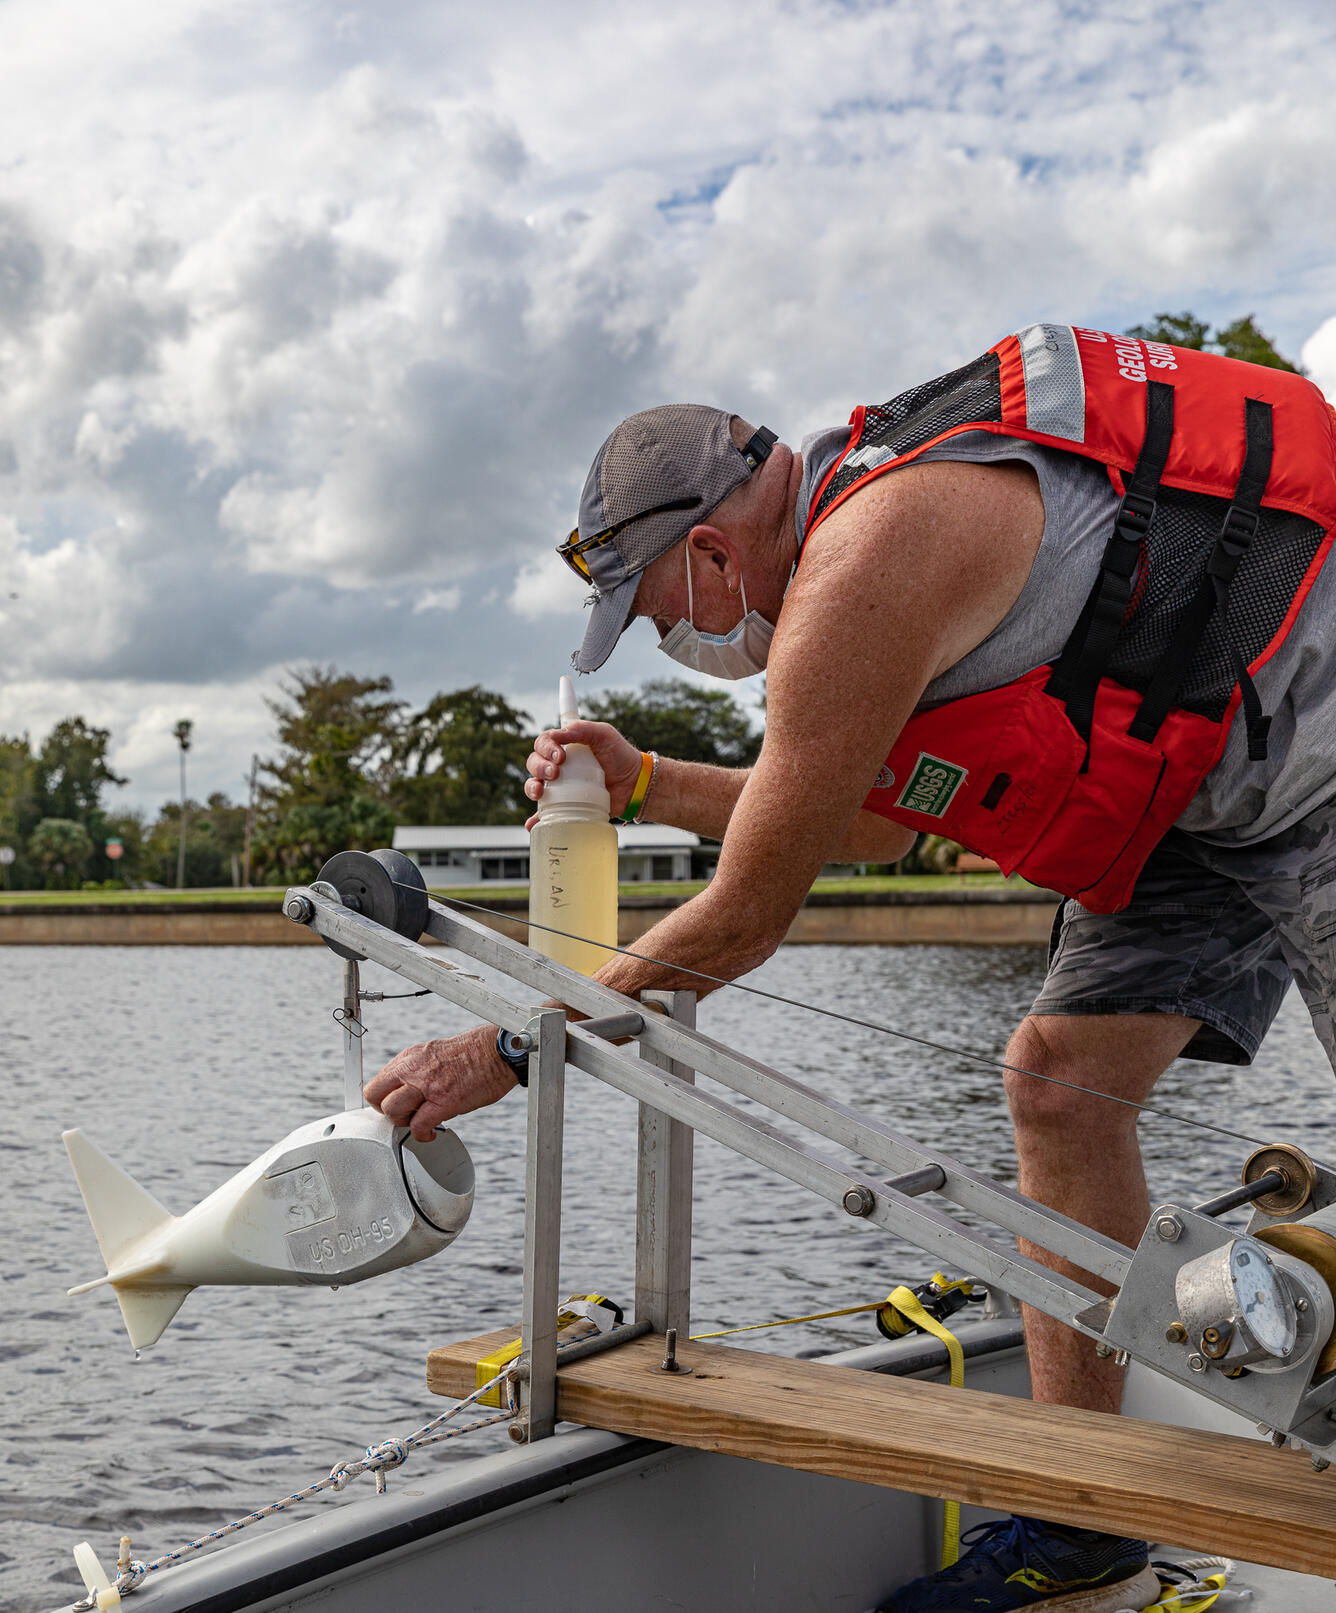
542 1220
353 1032
664 1166
1143 1322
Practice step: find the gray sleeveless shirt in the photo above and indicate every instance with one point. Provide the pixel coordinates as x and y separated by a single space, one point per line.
1239 802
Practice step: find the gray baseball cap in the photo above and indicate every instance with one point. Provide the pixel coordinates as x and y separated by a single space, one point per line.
660 473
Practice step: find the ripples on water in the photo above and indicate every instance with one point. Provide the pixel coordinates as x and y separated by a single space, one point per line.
185 1063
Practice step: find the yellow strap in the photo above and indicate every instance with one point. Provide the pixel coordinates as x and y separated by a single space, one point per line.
488 1368
905 1301
504 1354
1172 1600
788 1321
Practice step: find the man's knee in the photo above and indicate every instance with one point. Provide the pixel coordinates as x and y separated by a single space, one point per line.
1084 1064
1040 1101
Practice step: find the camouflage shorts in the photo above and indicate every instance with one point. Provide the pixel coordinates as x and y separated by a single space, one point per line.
1214 933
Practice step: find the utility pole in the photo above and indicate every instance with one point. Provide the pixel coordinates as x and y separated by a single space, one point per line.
182 732
250 824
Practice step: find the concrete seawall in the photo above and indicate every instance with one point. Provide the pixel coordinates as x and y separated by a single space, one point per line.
994 916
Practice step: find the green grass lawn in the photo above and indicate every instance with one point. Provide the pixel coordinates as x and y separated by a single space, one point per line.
271 896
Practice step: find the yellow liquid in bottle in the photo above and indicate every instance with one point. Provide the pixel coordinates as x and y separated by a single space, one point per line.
573 887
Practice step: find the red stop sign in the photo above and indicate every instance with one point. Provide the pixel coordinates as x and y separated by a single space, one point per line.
115 849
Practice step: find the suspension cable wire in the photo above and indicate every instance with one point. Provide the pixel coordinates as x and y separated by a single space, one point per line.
865 1024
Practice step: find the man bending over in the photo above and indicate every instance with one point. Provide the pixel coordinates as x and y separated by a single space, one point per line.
1068 606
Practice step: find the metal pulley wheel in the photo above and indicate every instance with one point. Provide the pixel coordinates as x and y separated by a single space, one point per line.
1294 1165
384 886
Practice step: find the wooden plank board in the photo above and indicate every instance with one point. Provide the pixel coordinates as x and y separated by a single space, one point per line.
1152 1481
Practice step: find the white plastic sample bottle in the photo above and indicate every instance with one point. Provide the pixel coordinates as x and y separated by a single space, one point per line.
573 859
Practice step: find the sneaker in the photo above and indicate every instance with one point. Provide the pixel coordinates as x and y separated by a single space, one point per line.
1021 1562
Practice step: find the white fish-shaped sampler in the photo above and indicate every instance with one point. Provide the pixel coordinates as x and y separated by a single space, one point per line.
337 1201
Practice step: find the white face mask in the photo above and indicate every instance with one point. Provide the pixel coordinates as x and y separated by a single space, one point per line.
740 653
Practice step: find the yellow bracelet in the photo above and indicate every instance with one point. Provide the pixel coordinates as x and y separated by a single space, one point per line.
649 760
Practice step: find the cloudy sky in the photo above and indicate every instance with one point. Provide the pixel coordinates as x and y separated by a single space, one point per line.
312 315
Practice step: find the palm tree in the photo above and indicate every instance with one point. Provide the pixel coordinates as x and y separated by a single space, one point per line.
182 732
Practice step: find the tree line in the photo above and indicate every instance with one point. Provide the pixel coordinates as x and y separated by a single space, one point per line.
351 763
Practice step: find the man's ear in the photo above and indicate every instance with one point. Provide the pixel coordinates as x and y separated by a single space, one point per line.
715 549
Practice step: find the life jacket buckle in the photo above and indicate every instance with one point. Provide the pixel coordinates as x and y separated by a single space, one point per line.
1235 539
1135 514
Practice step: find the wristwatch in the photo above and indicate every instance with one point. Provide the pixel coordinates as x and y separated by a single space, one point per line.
513 1048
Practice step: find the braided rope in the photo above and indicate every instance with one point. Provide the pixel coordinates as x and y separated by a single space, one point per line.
379 1459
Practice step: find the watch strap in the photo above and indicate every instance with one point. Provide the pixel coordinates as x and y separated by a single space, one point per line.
517 1059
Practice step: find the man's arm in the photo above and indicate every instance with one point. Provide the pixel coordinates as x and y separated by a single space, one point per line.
895 587
898 584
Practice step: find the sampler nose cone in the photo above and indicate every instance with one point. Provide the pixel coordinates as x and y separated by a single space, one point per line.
439 1178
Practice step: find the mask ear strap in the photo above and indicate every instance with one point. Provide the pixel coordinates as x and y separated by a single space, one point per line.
691 605
742 583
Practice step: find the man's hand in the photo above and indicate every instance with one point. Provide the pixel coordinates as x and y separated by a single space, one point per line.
435 1081
618 757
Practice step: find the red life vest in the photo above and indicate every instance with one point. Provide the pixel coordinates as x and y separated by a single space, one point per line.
1226 473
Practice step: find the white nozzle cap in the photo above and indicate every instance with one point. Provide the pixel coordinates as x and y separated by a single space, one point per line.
578 790
567 705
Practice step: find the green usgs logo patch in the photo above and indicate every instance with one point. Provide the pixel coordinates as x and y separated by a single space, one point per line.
932 786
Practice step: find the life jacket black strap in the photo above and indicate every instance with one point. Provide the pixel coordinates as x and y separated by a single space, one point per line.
1085 656
1212 596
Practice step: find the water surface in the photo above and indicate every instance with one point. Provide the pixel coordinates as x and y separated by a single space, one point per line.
185 1063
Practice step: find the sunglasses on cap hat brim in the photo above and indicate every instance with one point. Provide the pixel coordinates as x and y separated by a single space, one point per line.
575 547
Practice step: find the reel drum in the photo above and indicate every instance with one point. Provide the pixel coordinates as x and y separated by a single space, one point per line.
384 886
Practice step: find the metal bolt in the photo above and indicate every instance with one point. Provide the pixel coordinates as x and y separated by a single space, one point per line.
299 910
860 1200
670 1362
1196 1363
1176 1333
1121 1359
1277 1438
519 1432
1169 1228
1301 1304
1103 1350
522 1042
1320 1463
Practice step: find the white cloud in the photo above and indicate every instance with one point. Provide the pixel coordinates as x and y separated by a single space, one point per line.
310 322
1319 357
543 587
437 599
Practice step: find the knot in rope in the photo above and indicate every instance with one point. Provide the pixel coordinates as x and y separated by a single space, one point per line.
130 1578
384 1458
390 1453
342 1474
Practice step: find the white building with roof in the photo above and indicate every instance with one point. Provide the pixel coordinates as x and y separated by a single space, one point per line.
498 854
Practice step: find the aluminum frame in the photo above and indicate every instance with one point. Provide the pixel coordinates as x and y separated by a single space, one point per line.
660 1077
674 1096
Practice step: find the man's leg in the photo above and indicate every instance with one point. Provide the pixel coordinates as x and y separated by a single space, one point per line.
1079 1154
